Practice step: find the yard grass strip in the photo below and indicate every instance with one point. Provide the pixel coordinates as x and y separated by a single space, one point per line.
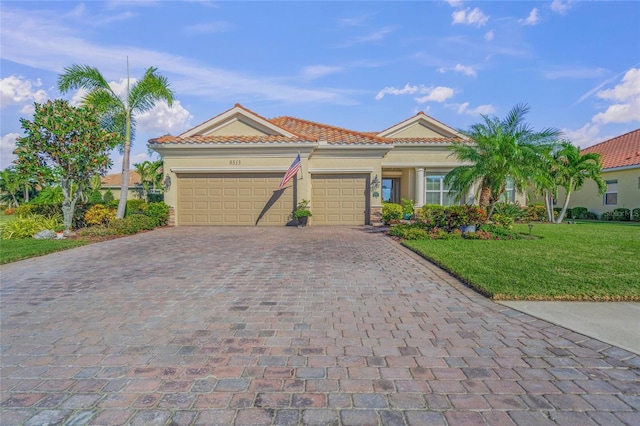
13 250
585 261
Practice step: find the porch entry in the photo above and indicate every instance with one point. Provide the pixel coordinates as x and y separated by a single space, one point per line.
391 190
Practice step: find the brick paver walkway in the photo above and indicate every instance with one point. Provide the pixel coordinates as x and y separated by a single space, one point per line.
257 326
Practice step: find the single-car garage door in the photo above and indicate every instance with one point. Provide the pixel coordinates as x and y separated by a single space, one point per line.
339 199
232 199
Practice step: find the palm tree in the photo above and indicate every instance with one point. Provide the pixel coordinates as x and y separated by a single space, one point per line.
118 113
572 169
146 177
11 183
500 149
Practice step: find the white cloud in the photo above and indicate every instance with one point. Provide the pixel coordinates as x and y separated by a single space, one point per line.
466 70
470 16
573 73
454 3
532 19
587 135
437 94
464 109
489 35
15 90
208 28
406 90
7 145
355 21
316 71
367 38
163 119
561 7
40 40
626 96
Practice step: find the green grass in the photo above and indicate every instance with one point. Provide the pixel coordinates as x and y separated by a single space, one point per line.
12 250
586 261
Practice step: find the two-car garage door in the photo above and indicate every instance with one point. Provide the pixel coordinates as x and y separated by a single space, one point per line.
233 199
252 198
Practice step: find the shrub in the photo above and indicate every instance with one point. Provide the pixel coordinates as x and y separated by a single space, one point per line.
159 212
9 211
622 214
391 212
590 216
97 231
606 216
108 197
154 197
635 215
504 222
135 206
25 210
100 215
408 232
535 212
512 210
579 213
95 197
497 232
28 226
433 216
131 224
407 207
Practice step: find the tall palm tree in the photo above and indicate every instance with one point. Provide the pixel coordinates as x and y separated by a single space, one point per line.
572 169
118 113
499 149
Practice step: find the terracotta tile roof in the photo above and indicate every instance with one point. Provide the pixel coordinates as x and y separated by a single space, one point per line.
324 132
216 139
115 180
425 140
620 151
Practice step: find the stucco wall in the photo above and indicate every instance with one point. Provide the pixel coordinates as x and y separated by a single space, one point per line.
588 196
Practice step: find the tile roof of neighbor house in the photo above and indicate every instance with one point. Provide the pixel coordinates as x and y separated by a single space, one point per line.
303 131
115 180
621 151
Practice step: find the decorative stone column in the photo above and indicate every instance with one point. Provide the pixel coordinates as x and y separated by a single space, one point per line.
419 197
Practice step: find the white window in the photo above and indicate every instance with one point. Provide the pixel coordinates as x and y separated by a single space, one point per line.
438 192
509 194
611 196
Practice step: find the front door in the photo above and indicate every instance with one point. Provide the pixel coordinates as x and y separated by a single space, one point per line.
391 190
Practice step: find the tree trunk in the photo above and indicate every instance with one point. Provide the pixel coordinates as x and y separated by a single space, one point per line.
564 208
124 188
485 196
548 204
69 203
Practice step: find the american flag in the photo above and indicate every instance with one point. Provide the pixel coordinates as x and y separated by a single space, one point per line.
293 170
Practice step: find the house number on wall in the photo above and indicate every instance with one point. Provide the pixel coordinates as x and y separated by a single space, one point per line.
234 162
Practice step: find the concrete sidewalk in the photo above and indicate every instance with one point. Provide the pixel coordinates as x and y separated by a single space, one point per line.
617 323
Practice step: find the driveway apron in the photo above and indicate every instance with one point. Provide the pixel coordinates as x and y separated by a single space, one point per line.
261 326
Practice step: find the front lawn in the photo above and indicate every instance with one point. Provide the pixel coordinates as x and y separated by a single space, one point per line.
585 261
12 250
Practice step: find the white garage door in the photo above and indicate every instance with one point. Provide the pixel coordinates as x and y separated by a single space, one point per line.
232 199
339 199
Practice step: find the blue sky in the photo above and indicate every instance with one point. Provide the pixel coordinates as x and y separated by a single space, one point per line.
360 65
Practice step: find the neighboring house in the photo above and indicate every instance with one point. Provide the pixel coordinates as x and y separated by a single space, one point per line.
227 170
114 183
621 172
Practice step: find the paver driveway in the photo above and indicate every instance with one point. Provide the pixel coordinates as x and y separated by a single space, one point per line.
286 326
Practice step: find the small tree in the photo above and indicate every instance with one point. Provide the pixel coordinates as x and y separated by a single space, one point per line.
572 169
11 183
65 144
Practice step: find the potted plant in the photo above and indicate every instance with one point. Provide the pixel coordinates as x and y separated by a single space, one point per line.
407 208
302 213
60 231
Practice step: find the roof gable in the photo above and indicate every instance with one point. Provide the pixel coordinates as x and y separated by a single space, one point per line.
326 133
421 126
237 121
621 151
